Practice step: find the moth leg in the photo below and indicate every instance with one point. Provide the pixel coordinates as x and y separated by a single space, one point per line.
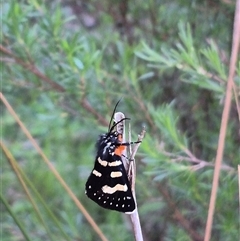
129 143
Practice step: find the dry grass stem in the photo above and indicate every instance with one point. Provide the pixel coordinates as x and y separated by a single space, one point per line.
53 170
224 122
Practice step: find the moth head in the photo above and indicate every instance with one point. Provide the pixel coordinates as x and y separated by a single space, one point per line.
107 144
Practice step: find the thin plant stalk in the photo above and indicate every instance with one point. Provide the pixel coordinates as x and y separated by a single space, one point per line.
22 175
54 171
18 222
224 122
131 167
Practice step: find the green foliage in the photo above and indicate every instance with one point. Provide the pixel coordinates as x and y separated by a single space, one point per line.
63 79
189 61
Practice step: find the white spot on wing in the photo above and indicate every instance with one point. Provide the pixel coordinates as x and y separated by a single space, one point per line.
111 190
113 164
103 163
115 174
96 173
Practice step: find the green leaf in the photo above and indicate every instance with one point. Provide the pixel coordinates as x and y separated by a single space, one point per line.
78 63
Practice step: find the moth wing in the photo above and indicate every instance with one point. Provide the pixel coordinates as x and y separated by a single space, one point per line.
109 187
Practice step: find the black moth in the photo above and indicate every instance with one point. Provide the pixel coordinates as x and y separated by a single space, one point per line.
108 184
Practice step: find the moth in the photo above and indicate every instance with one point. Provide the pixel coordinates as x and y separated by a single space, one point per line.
108 184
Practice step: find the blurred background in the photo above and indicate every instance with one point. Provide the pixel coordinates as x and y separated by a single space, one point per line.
64 66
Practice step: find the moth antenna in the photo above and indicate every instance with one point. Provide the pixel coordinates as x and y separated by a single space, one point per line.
117 124
109 126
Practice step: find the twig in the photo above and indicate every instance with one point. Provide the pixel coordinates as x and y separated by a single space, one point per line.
131 173
90 109
136 146
53 170
239 198
177 215
32 68
224 122
199 162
